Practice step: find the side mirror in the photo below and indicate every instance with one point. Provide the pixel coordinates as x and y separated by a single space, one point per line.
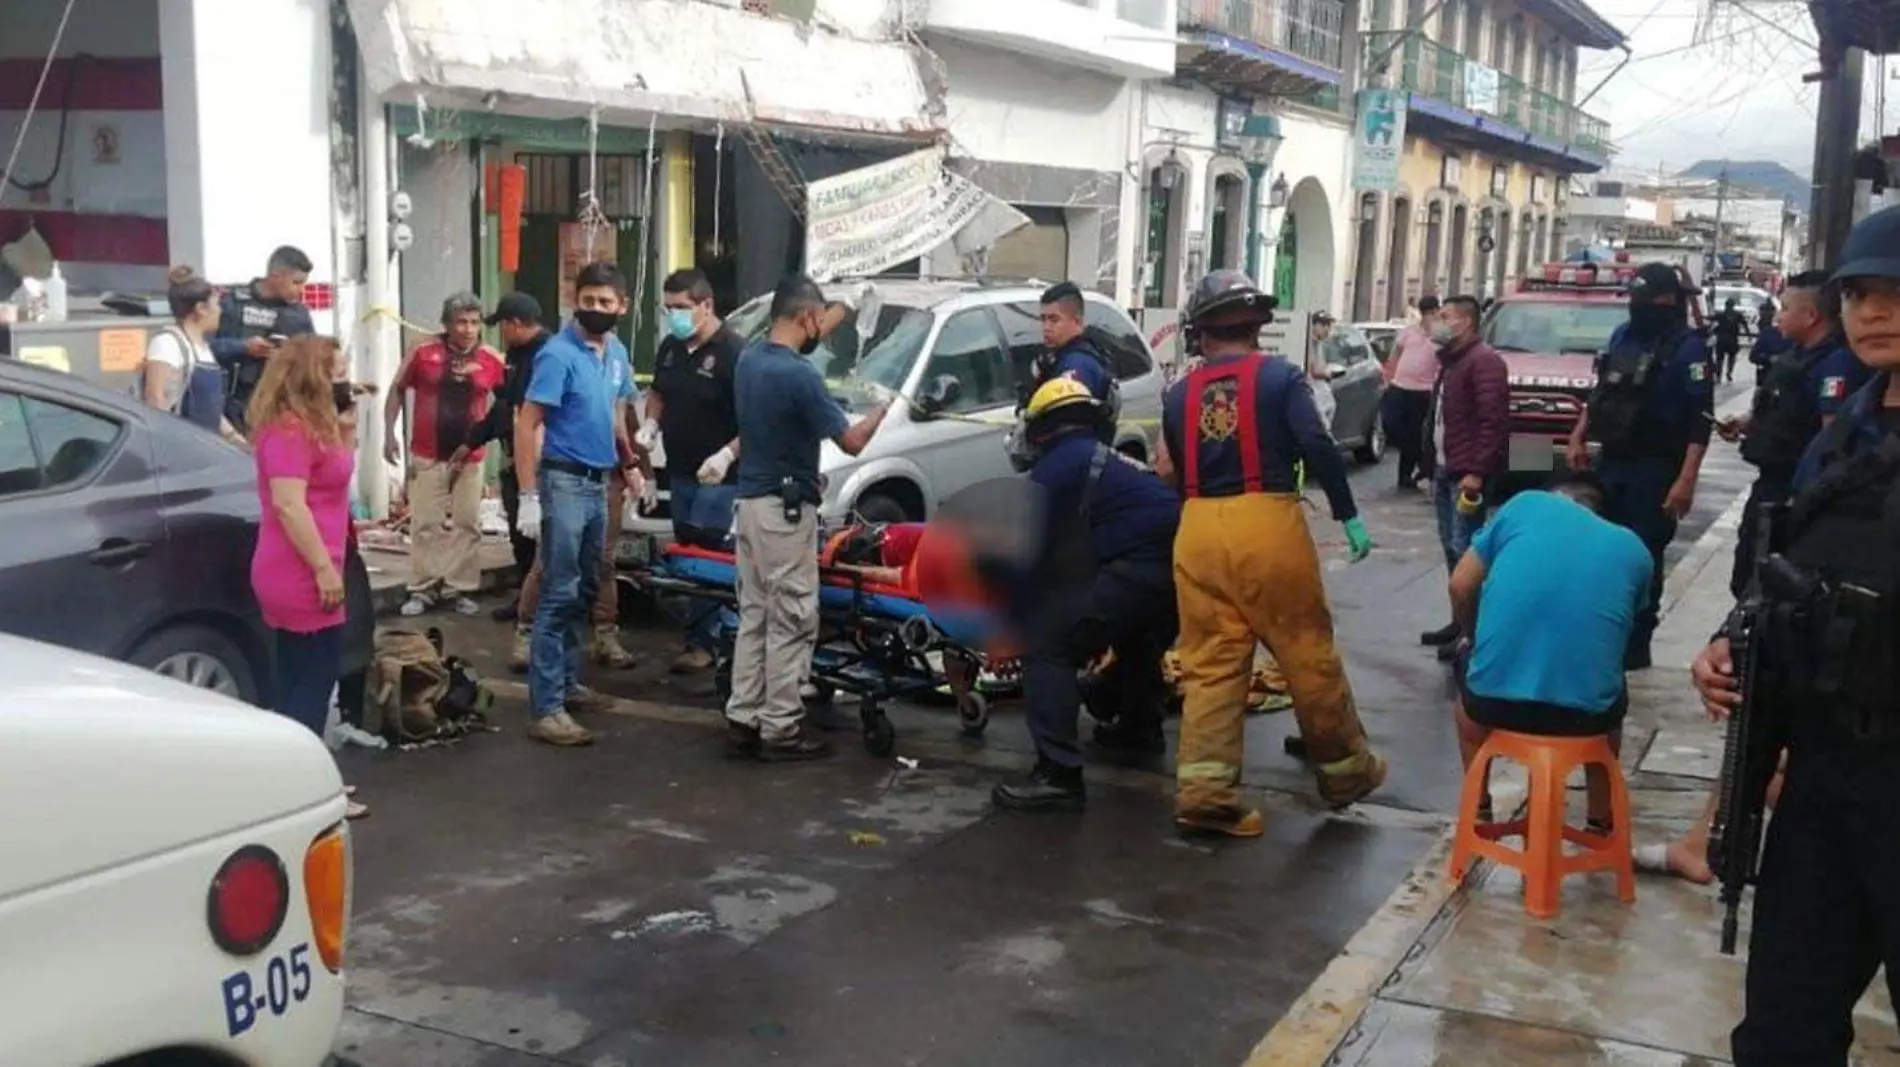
939 393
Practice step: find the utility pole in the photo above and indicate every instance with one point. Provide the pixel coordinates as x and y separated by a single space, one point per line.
1721 197
1836 138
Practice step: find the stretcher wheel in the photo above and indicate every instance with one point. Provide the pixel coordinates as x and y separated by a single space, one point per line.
973 714
880 737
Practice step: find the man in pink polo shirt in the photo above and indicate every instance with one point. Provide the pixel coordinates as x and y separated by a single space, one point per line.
1409 373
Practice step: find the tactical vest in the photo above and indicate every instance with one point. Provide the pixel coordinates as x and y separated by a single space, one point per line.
1244 410
254 319
1784 416
1045 368
1841 654
1624 379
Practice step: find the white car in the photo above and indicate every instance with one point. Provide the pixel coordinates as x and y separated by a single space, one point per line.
176 876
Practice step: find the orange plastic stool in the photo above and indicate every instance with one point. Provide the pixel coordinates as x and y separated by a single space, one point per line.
1543 861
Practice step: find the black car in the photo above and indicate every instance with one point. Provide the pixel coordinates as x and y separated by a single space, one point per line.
128 533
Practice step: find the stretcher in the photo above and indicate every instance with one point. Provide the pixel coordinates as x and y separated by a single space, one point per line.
877 638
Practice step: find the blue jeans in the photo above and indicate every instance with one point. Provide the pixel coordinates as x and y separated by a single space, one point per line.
573 538
702 515
307 669
1455 530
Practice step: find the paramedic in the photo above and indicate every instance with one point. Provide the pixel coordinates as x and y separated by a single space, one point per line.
784 414
1652 410
1245 566
1104 582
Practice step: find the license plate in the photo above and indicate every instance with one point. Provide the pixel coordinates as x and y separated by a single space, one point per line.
1530 452
274 988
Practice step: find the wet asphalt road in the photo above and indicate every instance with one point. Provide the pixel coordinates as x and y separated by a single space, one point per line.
648 902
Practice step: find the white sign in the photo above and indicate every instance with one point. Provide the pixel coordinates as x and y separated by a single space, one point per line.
1481 87
1378 138
875 217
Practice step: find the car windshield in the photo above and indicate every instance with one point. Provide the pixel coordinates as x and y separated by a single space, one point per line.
1553 326
844 360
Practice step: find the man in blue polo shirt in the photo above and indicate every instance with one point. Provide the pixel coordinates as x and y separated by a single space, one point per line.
569 438
1550 639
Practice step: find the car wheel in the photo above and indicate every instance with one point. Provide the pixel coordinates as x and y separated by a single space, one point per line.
198 656
1374 448
878 508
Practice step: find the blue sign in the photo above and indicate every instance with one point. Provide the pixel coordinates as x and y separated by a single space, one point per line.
1378 138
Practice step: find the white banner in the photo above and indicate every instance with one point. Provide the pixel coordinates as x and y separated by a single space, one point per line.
876 217
1481 88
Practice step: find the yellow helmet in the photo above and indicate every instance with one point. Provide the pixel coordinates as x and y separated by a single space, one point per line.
1057 393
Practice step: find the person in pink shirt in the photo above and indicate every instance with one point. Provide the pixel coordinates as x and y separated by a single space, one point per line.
1409 373
304 461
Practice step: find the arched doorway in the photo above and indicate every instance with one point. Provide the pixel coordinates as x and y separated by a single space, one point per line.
1460 220
1365 257
1286 261
1398 254
1310 279
1434 246
1227 223
1162 249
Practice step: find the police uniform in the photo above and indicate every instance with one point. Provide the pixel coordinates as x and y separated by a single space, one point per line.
1654 399
1246 568
1082 361
247 313
1798 389
1104 581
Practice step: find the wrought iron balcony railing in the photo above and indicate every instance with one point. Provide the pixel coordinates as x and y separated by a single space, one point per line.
1310 29
1427 67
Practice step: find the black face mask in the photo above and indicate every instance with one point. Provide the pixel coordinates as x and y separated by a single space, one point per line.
344 394
1652 320
597 323
810 345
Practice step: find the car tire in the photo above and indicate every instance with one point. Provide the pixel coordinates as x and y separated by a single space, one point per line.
879 508
198 655
1374 449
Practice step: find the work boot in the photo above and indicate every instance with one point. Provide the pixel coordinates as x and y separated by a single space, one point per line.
1125 741
691 661
1226 821
560 730
1440 637
518 656
584 699
742 741
795 747
607 650
1047 787
1345 781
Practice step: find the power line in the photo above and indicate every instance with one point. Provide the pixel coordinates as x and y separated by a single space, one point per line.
26 120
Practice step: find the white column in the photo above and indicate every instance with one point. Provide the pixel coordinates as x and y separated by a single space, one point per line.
247 133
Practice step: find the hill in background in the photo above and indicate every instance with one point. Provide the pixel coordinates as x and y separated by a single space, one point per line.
1763 177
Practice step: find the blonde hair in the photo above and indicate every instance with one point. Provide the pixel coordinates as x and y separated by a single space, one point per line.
296 388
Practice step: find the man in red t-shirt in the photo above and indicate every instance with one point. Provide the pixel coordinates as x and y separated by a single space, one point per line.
449 383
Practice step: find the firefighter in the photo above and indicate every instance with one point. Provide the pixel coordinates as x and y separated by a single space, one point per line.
1652 410
1103 581
1245 566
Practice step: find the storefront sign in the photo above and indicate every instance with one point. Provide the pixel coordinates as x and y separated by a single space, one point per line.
1378 138
1481 88
875 217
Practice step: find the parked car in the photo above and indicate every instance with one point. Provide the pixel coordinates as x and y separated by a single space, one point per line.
179 895
129 533
1382 336
959 352
1358 384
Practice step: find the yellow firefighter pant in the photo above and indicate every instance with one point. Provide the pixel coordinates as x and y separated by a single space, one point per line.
1245 568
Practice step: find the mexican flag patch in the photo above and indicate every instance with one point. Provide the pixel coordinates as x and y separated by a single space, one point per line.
1833 388
1698 371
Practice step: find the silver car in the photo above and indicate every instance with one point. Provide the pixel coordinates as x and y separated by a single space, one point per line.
958 351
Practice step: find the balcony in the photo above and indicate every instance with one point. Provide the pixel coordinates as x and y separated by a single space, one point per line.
1442 84
1127 38
1289 48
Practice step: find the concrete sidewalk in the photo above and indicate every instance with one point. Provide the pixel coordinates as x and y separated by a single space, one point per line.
389 572
1482 983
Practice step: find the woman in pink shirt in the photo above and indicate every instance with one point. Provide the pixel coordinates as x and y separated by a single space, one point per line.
1410 372
304 461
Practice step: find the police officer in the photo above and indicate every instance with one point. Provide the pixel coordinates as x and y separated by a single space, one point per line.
256 318
1652 411
1827 909
1068 353
1801 390
1104 581
1245 566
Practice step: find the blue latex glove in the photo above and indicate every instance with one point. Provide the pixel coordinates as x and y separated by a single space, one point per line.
1358 541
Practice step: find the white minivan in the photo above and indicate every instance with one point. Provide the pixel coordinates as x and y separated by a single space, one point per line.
174 873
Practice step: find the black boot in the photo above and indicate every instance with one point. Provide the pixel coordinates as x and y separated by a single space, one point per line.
1128 741
1440 637
1047 787
742 741
798 747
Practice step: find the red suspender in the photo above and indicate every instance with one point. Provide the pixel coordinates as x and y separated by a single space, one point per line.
1246 372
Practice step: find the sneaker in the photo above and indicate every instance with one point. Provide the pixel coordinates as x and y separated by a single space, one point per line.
560 730
465 606
1047 787
795 747
518 656
1224 821
416 605
584 699
607 650
692 661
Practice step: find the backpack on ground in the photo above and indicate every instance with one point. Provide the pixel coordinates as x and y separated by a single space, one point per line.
415 694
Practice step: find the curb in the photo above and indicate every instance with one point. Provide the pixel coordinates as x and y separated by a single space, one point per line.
387 598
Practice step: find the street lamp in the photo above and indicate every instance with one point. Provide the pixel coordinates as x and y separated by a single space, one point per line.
1260 139
1276 196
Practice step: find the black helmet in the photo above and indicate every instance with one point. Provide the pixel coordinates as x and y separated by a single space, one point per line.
1223 291
1872 248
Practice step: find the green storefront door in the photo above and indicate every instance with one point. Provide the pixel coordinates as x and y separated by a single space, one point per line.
540 277
1286 255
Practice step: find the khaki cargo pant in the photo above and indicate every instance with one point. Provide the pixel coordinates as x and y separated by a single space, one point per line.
778 615
445 562
606 609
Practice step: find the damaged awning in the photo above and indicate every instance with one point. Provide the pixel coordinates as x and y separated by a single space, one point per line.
669 63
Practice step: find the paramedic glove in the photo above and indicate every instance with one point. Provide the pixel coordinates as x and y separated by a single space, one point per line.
649 432
1358 541
717 465
528 516
649 494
